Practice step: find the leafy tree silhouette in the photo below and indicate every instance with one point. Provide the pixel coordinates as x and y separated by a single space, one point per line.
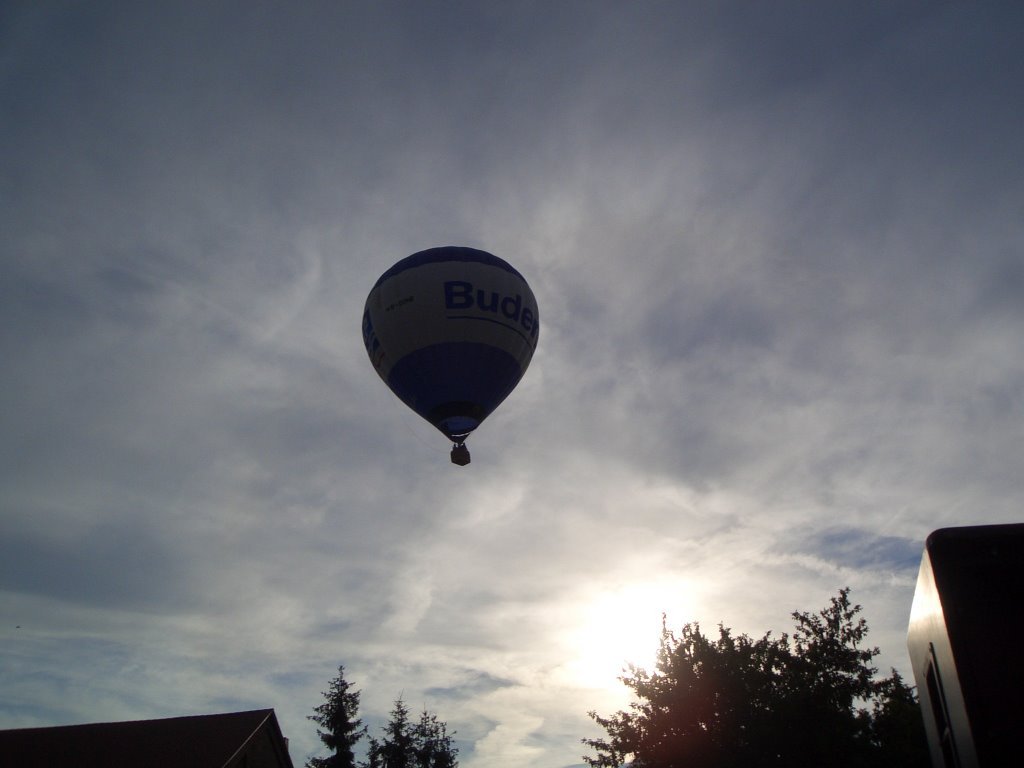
786 701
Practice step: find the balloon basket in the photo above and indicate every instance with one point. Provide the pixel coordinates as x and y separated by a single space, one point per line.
460 454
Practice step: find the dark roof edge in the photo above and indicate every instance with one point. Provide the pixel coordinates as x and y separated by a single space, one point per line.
967 532
71 726
277 739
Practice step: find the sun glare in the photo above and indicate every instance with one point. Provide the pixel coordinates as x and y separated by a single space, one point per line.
622 626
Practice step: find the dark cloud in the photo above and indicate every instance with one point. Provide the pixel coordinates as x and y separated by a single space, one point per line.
107 567
476 684
852 548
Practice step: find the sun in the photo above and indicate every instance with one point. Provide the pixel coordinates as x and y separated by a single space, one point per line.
621 626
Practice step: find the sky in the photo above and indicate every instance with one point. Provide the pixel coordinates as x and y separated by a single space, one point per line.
778 251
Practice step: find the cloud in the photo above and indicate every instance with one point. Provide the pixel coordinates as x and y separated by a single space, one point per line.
857 549
476 684
776 254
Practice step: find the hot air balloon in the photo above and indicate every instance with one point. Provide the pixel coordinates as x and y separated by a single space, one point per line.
451 331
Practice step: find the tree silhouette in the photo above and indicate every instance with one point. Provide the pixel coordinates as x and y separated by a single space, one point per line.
426 744
434 747
339 728
396 748
786 701
896 726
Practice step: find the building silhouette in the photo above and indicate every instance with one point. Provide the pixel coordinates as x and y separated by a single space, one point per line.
232 740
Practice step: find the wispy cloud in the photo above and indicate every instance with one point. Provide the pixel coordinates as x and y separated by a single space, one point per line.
776 253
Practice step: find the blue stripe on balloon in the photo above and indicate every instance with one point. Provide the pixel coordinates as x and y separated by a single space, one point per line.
448 253
456 372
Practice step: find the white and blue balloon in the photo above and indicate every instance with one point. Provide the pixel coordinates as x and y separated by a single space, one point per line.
451 331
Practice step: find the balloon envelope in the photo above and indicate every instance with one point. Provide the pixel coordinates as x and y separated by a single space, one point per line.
451 331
